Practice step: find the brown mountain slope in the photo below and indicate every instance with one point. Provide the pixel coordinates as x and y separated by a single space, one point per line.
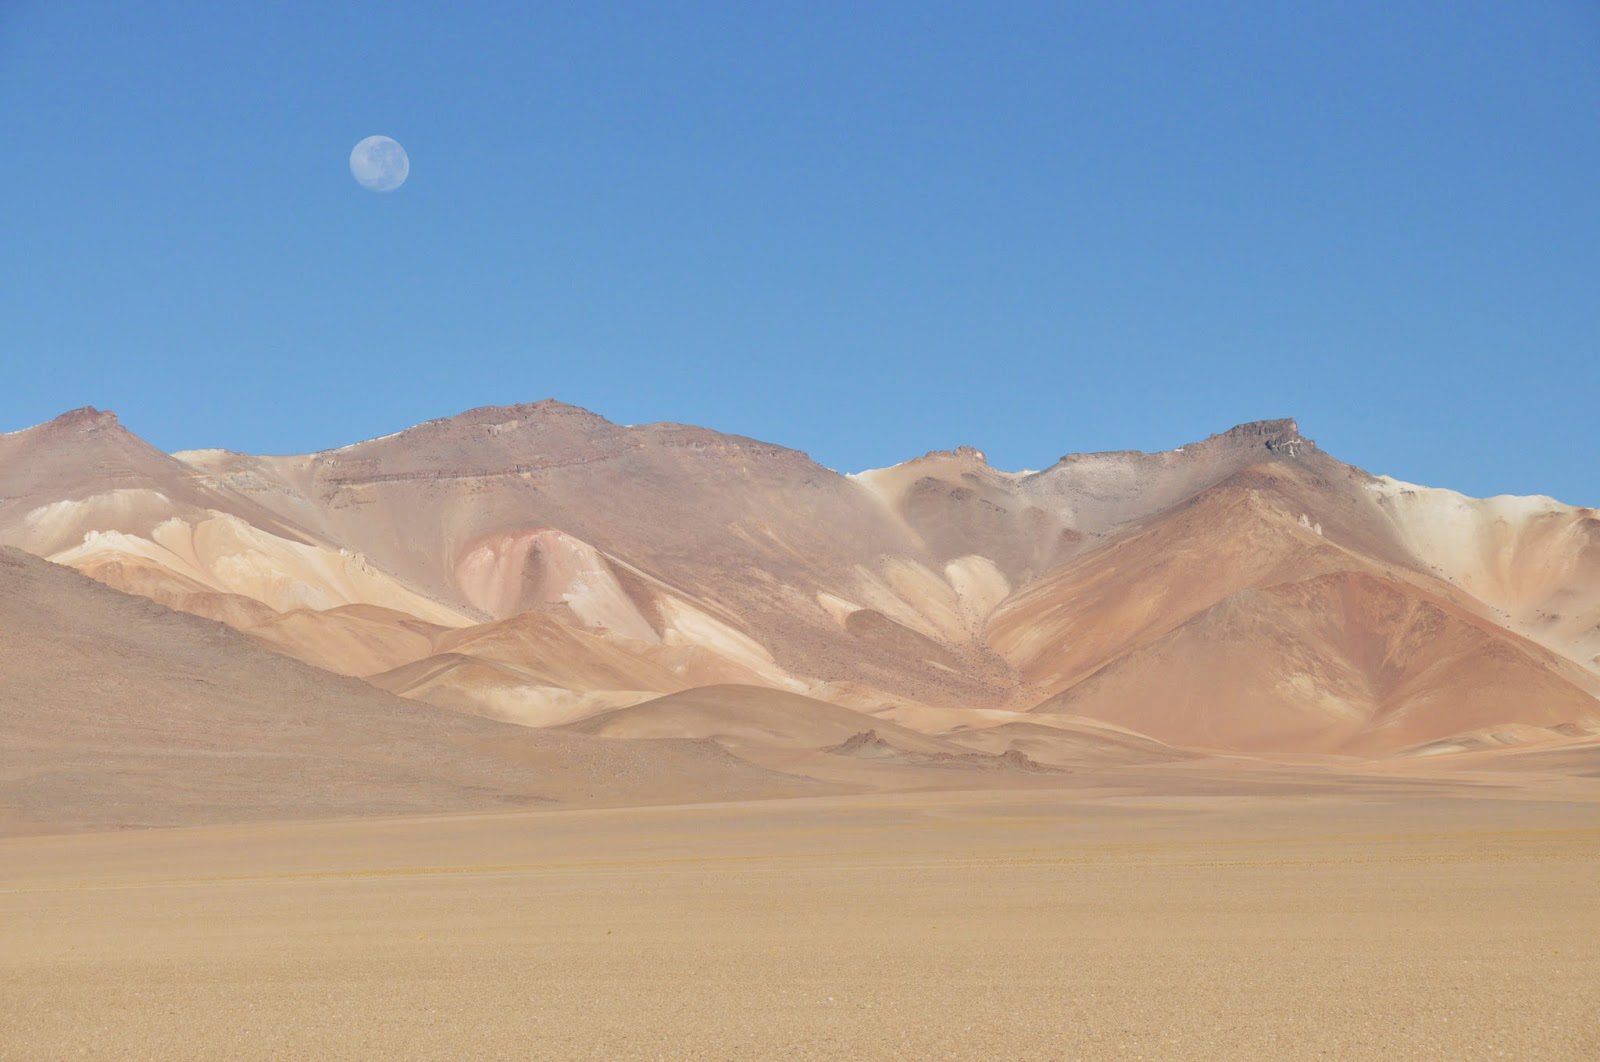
677 535
539 563
115 711
660 533
751 715
358 640
509 692
1135 587
84 471
1063 742
1342 662
85 491
955 505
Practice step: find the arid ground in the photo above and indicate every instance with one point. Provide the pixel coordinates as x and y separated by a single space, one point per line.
1178 913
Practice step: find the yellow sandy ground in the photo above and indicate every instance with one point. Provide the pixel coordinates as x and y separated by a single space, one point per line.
1401 919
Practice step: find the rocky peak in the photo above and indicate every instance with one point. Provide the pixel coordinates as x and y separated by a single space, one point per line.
1280 436
478 423
83 419
545 415
547 408
1277 437
968 454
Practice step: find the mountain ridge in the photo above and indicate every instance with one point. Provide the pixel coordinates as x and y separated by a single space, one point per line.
650 559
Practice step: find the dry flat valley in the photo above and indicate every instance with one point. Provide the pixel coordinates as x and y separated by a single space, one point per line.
525 734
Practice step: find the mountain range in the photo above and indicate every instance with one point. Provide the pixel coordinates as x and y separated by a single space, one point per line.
1247 595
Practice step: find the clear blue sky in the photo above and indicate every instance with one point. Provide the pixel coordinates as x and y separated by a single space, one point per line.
861 230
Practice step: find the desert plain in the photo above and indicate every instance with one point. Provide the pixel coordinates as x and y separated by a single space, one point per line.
1176 913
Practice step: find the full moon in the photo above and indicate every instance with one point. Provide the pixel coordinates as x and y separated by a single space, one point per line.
379 164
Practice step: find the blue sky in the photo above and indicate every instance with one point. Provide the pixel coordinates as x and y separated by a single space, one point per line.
861 232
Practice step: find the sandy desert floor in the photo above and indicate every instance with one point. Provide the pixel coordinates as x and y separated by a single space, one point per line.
1222 918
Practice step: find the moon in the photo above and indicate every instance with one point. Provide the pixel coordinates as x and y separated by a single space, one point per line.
379 164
